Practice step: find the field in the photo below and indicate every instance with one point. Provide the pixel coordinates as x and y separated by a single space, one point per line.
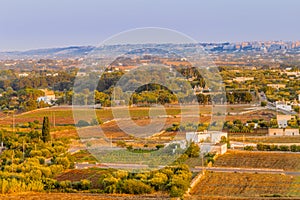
192 162
215 184
243 159
92 174
80 196
84 156
63 115
62 118
277 139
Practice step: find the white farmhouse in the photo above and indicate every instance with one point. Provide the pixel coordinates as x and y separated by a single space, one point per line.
283 106
48 98
23 74
208 141
282 120
214 148
212 136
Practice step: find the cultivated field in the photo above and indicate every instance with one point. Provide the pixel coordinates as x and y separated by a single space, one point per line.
244 159
91 174
274 139
63 115
215 184
80 196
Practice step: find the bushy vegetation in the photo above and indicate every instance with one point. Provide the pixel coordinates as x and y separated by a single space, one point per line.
273 147
174 180
31 160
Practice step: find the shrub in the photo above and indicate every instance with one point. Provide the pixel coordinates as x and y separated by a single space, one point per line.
133 186
82 123
249 148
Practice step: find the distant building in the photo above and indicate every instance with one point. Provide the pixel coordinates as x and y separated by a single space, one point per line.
180 143
297 74
276 86
282 120
243 79
81 74
213 148
211 136
283 106
208 141
23 74
283 131
48 98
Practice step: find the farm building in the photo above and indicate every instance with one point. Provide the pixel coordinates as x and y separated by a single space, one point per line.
180 143
208 141
276 86
283 106
212 136
282 120
48 98
283 131
214 148
243 79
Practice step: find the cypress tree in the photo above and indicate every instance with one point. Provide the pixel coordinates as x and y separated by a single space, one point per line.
46 137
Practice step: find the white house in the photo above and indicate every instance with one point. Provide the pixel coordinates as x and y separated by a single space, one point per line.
23 74
214 148
181 143
208 141
212 136
283 106
243 79
48 98
276 86
282 120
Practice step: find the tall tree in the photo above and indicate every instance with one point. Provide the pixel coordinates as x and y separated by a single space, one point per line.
46 137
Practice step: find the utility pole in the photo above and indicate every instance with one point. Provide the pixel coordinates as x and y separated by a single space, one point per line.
12 160
202 161
23 149
54 118
110 141
13 121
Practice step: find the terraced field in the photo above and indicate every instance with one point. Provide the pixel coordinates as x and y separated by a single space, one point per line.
243 159
216 184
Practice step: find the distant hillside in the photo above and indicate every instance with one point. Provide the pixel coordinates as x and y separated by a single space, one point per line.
73 51
242 48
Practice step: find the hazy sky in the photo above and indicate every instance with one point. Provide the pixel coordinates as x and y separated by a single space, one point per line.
29 24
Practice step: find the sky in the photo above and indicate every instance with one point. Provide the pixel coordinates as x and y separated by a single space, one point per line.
32 24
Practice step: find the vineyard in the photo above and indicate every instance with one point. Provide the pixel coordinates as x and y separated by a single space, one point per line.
91 174
255 139
288 162
84 156
81 196
245 185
